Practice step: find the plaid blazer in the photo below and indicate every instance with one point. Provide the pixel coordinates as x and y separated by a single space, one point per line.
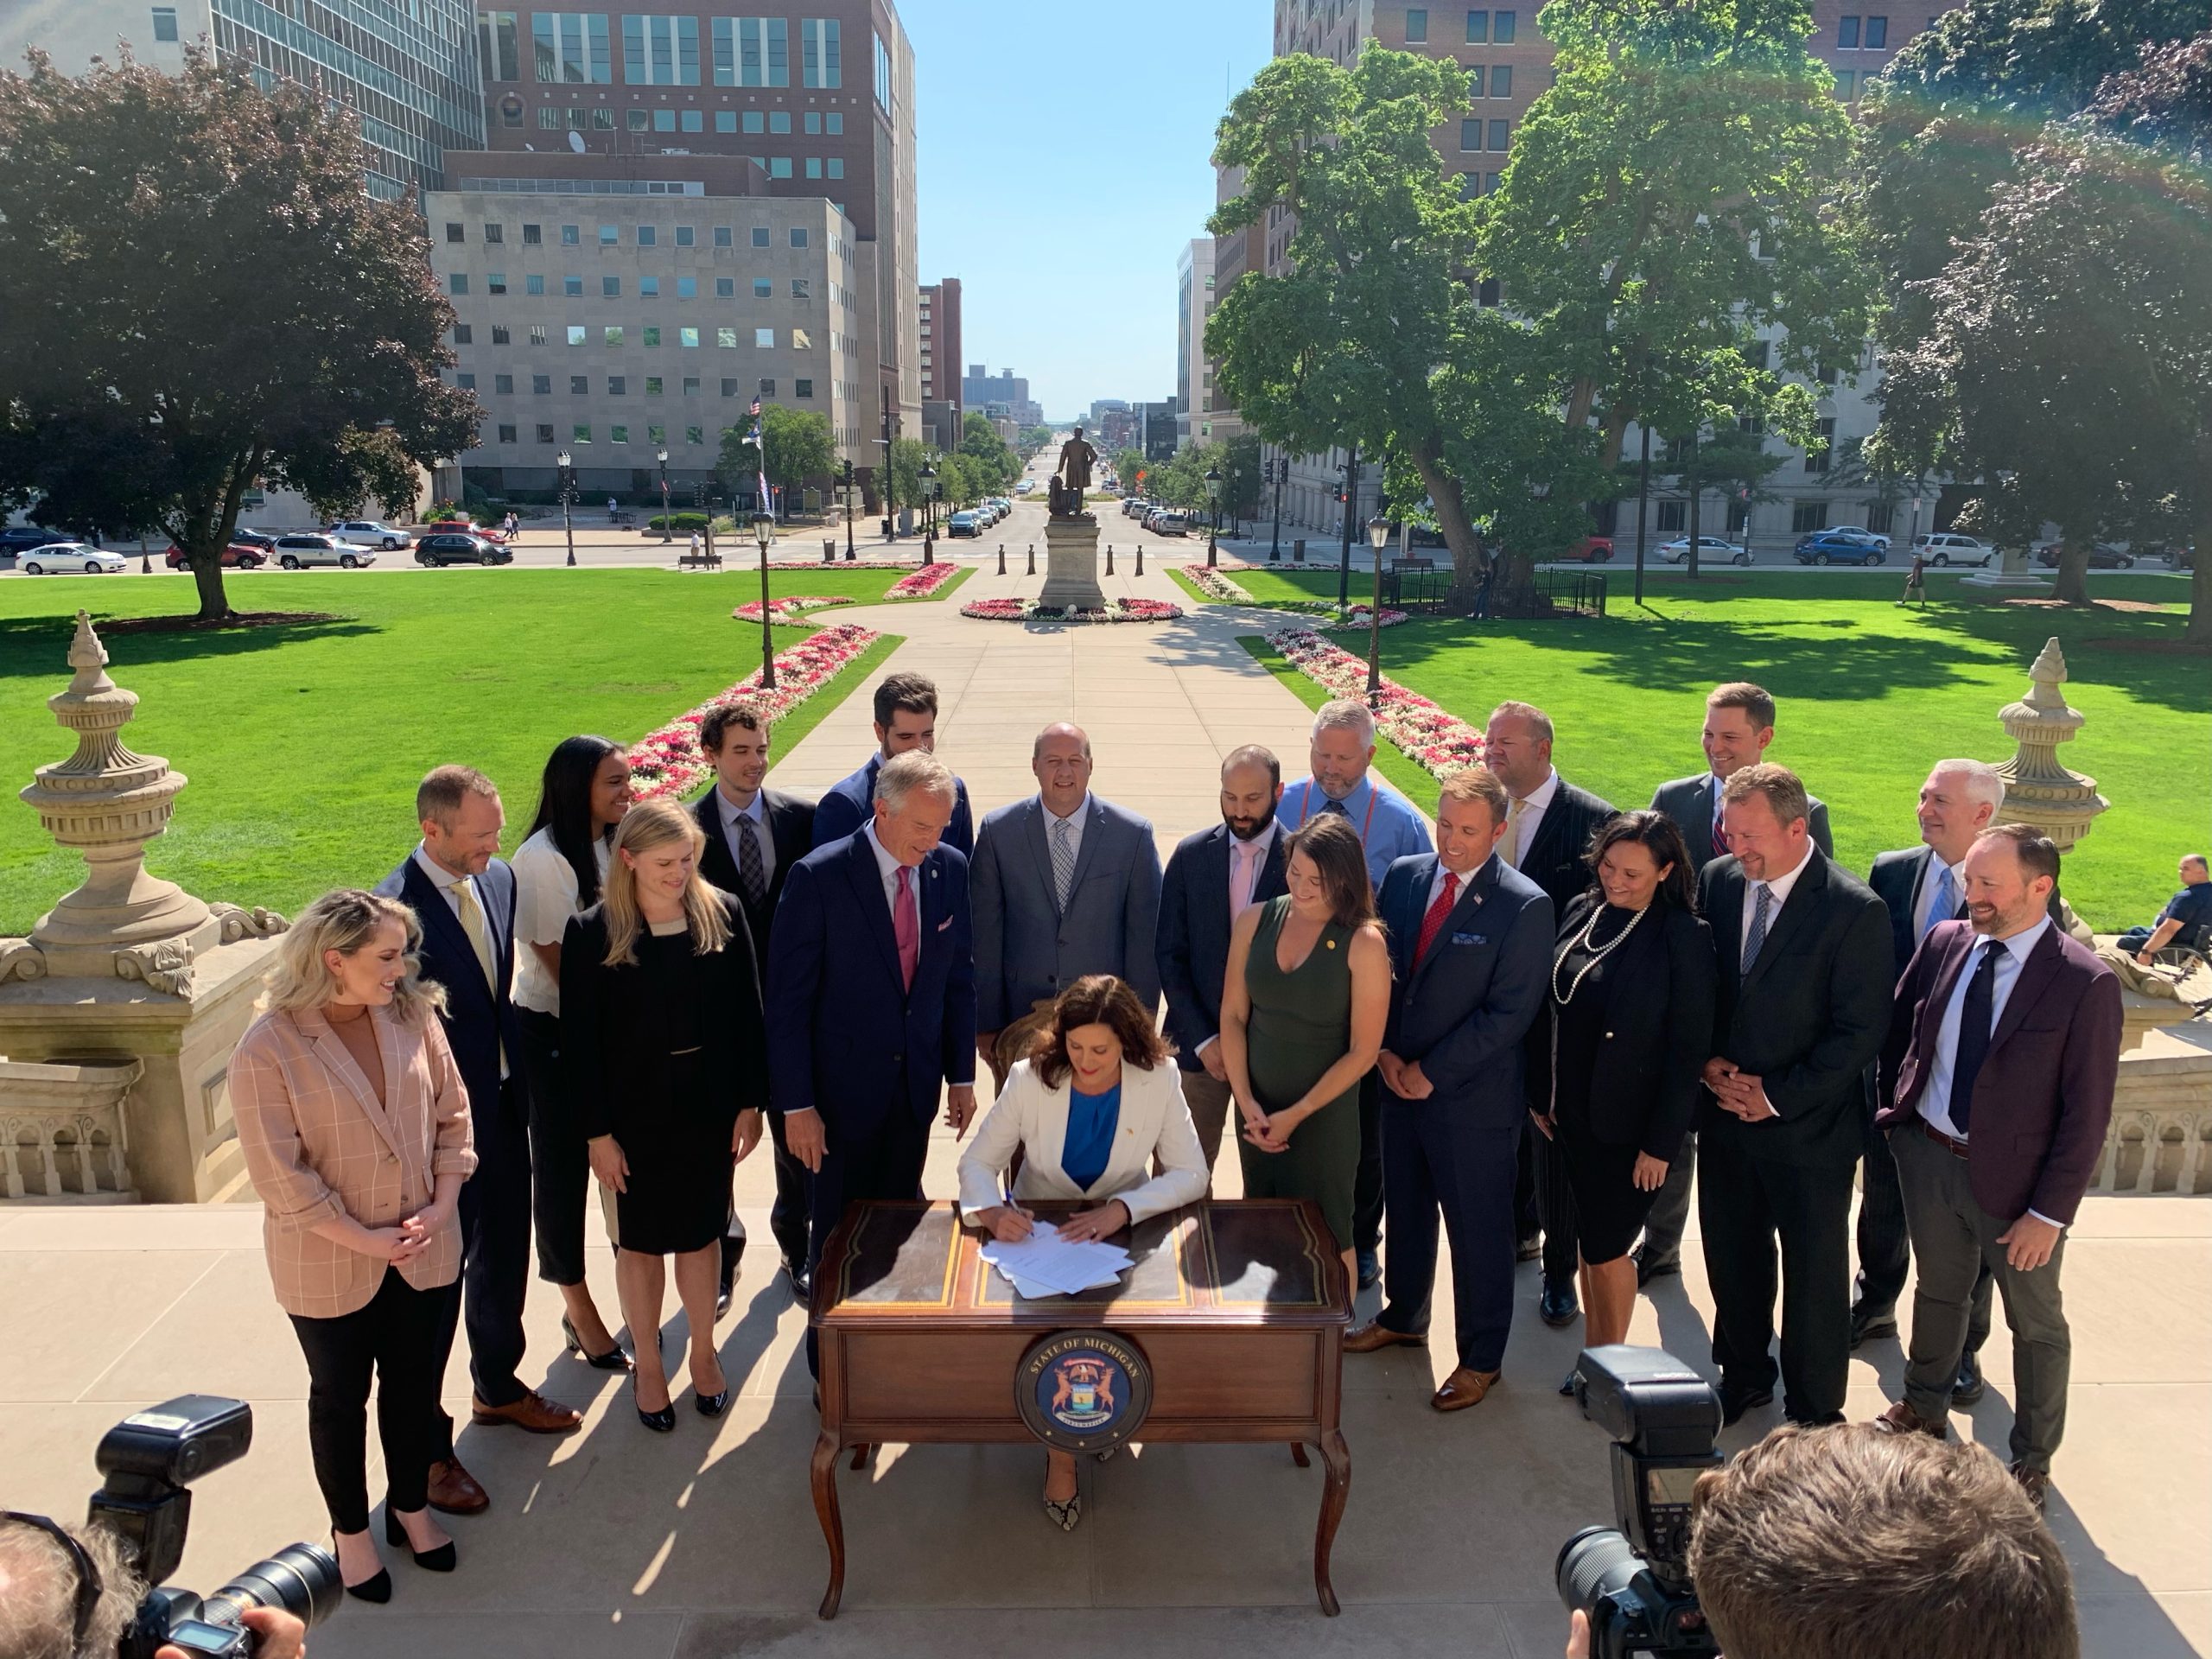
319 1144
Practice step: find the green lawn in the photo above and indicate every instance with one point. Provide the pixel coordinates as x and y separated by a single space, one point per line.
1870 694
304 743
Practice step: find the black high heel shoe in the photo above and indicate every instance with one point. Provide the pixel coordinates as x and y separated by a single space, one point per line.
662 1421
614 1359
440 1560
711 1405
378 1589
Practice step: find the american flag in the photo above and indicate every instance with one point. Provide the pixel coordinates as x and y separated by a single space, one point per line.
756 409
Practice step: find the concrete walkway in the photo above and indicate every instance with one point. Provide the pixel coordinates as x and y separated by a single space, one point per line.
702 1543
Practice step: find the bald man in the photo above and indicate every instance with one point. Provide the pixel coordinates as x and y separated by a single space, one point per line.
1064 885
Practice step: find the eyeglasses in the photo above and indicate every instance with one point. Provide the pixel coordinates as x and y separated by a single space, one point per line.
89 1584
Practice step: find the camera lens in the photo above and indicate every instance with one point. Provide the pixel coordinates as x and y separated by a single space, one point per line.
1597 1561
302 1579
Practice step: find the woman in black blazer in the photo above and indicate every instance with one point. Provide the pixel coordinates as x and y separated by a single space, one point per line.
662 1054
1619 1045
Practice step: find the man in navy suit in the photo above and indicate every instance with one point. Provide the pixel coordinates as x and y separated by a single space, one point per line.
871 999
755 835
1214 876
464 894
1738 725
906 718
1064 884
1920 887
1470 944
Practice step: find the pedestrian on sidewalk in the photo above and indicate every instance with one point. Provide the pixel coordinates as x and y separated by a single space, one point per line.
1916 582
695 544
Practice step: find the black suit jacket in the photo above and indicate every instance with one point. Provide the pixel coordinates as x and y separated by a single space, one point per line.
1897 878
1192 942
478 1020
1809 1016
1656 989
1689 802
790 826
1555 860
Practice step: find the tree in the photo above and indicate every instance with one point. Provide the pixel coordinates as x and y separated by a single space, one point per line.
799 447
997 466
202 300
906 491
1240 475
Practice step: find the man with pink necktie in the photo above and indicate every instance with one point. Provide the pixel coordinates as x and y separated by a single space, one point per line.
871 999
1212 877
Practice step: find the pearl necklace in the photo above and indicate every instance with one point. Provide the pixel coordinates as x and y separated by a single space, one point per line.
1598 952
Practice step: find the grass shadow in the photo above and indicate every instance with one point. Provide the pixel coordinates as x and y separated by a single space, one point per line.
38 646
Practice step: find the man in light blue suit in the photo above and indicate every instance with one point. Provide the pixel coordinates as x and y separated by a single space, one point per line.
1064 885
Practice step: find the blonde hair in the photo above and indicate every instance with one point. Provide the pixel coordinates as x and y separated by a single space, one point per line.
345 921
646 825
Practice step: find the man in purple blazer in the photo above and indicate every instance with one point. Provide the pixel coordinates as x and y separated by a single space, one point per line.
2004 1046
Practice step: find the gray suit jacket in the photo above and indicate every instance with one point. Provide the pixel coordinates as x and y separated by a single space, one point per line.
1026 949
1689 802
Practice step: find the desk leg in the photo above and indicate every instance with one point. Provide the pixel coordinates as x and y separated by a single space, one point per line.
1336 1457
833 1524
1298 1455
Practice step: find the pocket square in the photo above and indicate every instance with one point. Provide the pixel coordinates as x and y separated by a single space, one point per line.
946 923
1470 938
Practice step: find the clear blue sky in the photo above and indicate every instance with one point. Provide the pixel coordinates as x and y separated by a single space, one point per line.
1015 103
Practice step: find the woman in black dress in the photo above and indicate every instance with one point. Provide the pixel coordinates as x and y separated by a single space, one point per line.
1618 1048
660 1018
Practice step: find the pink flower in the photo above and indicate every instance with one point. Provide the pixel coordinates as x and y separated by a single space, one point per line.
923 581
1123 610
1440 742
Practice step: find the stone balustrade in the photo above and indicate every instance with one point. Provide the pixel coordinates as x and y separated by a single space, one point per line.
61 1129
2161 1137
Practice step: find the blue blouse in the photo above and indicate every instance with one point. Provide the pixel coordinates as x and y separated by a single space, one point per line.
1092 1120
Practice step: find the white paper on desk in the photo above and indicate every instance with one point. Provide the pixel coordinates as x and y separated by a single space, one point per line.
1061 1267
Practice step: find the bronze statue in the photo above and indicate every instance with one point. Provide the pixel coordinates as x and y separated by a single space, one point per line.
1077 459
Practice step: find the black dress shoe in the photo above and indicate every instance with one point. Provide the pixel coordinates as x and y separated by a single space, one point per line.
614 1359
1559 1306
802 1287
662 1421
440 1560
733 1251
1967 1388
1566 1388
1370 1270
1649 1268
711 1405
377 1589
1867 1326
1734 1402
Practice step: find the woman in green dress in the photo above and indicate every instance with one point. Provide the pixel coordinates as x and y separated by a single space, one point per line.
1302 1010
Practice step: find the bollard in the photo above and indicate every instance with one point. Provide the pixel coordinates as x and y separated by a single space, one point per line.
1140 558
1274 554
1033 558
1298 551
1001 558
1109 558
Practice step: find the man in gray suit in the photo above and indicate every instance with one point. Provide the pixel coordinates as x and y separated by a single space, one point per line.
1064 885
1738 726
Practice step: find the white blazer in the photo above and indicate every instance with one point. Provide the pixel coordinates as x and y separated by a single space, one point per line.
1155 1122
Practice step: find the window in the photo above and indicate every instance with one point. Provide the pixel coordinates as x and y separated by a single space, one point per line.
882 75
546 432
541 385
780 121
1878 33
726 339
617 434
833 122
1491 181
649 286
504 384
1880 515
457 282
495 233
1471 135
1739 510
763 338
756 121
686 236
573 287
1759 354
571 235
837 169
1503 26
495 282
1474 82
617 386
1752 425
779 166
456 233
687 288
798 288
165 24
695 435
1501 80
1416 25
798 236
763 288
572 47
537 333
639 120
651 337
801 340
580 433
814 167
1808 516
753 52
1478 28
767 388
610 287
760 235
652 385
655 435
1501 135
1843 80
506 434
814 120
690 385
463 334
695 121
1672 517
500 334
725 120
801 388
609 235
725 288
820 56
721 235
1817 460
647 236
533 236
533 283
465 380
509 112
575 333
688 339
660 51
1847 33
729 387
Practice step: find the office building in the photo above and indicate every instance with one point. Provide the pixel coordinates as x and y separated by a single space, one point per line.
1004 393
1193 372
1232 257
938 318
1159 429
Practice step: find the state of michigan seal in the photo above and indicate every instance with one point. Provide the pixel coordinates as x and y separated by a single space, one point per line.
1083 1390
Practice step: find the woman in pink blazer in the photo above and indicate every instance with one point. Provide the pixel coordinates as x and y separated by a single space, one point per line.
355 1126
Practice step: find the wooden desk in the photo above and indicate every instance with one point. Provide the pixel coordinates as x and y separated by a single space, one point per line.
1239 1309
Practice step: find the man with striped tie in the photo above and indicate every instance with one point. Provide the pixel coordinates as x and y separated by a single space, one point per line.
1738 726
1803 952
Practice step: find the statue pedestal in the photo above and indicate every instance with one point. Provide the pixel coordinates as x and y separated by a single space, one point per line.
1071 575
2012 575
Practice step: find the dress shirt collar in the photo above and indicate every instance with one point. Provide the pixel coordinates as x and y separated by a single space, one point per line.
887 867
441 878
1780 885
1355 800
1259 844
732 811
2017 945
1074 819
1472 878
1539 797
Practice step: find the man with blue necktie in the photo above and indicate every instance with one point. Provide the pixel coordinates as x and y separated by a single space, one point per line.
1920 885
1341 759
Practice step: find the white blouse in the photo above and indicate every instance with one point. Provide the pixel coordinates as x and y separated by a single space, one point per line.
545 898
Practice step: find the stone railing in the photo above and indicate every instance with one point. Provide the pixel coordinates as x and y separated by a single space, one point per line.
2161 1137
61 1132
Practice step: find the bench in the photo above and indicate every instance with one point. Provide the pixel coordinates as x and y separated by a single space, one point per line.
702 561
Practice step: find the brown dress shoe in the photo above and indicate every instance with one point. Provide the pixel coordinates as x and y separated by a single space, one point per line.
1901 1418
2035 1482
454 1490
1374 1334
533 1412
1463 1388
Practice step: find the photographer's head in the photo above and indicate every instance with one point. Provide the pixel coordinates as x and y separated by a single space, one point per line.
65 1592
1828 1542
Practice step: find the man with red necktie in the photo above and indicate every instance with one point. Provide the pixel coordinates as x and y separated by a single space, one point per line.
1471 941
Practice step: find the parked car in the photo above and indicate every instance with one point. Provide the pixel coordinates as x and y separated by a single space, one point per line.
2102 556
466 527
1947 547
1711 549
964 524
21 538
1025 486
1838 547
1861 529
1590 550
1171 522
247 551
1136 507
451 547
370 532
295 552
72 558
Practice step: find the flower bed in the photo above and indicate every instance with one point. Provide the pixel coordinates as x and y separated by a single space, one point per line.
1438 742
789 610
843 563
1023 610
667 763
1358 619
1214 585
923 581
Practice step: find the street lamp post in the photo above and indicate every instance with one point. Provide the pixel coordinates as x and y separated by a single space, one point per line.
1378 537
714 506
1351 505
928 477
566 478
849 511
764 532
1279 469
1213 506
667 525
